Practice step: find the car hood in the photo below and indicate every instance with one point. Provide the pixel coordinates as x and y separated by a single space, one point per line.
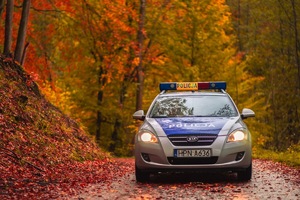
193 125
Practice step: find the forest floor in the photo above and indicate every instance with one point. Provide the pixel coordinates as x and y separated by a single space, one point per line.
114 179
64 180
270 180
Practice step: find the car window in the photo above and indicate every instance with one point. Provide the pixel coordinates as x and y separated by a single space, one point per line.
193 106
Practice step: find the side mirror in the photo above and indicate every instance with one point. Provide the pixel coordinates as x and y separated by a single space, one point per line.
139 115
246 113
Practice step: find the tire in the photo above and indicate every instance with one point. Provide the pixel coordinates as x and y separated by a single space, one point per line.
141 176
245 175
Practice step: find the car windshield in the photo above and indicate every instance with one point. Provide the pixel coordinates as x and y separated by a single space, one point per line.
193 106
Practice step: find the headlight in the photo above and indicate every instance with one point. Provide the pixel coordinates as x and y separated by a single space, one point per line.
147 136
237 135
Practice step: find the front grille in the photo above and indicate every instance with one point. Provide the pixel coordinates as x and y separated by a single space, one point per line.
192 161
202 139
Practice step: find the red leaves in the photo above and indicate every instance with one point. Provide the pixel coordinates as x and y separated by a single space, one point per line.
63 179
39 144
270 181
8 60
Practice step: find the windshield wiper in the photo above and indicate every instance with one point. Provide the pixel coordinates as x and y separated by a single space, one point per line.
161 116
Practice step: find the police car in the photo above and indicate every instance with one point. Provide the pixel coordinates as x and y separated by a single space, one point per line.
193 126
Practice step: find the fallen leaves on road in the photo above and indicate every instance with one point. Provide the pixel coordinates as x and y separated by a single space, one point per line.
270 181
61 180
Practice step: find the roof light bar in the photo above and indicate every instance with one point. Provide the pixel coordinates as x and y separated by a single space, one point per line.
192 86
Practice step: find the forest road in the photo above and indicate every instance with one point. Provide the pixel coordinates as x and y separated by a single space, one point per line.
269 181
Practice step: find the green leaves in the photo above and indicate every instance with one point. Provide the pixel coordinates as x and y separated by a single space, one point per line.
268 35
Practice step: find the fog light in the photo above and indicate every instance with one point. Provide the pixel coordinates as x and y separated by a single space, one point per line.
239 155
146 157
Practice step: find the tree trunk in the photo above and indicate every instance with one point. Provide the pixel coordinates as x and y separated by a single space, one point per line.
22 31
8 26
296 40
114 136
140 71
24 53
1 6
99 117
101 83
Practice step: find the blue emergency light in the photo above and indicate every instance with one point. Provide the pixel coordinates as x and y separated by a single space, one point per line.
192 86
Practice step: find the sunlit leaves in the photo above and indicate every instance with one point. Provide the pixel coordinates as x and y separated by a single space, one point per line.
80 48
197 41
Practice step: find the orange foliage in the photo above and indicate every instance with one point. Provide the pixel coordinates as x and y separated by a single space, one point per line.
36 60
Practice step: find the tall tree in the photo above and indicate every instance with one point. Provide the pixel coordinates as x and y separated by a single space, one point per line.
8 27
20 46
2 2
297 38
140 71
271 45
198 40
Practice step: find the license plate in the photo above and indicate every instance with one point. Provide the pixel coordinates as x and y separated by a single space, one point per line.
192 153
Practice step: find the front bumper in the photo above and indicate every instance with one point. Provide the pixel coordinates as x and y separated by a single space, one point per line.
157 157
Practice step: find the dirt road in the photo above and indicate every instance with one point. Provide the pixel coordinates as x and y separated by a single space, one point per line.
270 181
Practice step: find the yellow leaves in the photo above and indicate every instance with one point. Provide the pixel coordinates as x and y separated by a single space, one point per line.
76 43
158 61
261 140
136 61
58 96
133 128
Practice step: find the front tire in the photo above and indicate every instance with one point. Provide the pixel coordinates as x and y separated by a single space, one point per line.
141 176
245 175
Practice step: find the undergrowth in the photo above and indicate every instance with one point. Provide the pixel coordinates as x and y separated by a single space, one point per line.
291 156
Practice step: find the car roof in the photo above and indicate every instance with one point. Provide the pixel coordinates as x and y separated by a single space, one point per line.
192 93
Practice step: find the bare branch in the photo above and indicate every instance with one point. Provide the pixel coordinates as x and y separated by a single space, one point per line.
19 159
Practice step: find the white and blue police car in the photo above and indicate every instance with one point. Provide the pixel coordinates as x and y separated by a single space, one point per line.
193 126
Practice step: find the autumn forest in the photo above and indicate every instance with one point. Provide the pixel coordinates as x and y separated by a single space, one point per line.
99 61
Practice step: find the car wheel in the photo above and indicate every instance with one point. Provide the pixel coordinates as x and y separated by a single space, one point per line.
245 175
141 176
